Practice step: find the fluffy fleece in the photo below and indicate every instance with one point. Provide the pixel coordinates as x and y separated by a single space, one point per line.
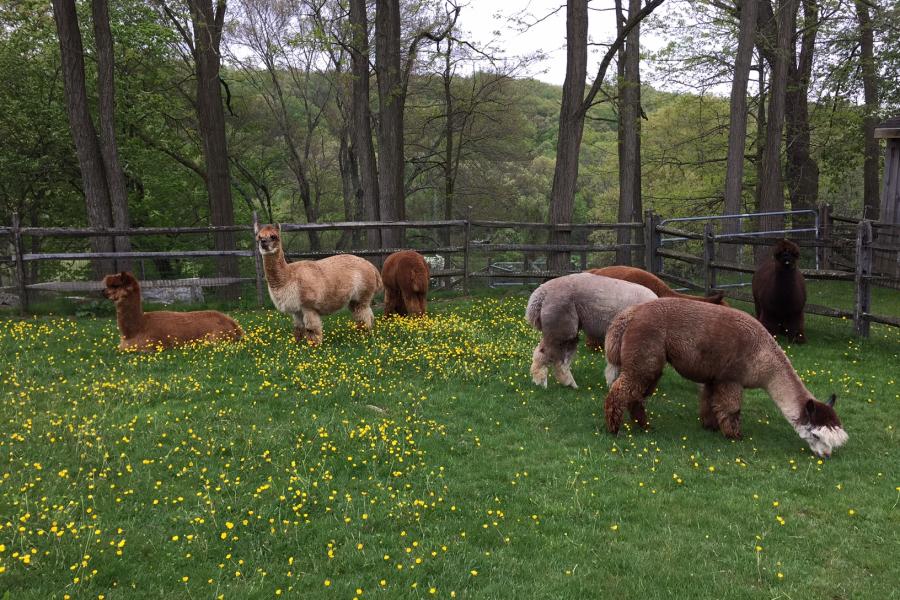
723 349
779 292
405 275
149 331
652 283
307 289
562 307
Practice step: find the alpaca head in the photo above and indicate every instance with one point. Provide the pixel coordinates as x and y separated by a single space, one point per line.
787 253
821 427
120 286
268 238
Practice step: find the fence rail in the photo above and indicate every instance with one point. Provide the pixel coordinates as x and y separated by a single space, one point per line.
873 247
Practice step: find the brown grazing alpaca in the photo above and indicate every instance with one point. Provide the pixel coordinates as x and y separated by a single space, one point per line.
653 283
723 349
149 331
561 307
779 292
405 275
307 289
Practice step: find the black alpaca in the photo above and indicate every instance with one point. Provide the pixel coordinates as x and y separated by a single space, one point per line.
779 292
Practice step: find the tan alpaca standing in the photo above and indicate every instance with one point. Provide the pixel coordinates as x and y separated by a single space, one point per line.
307 289
723 349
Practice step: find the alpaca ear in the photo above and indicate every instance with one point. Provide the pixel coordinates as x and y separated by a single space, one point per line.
810 408
832 400
255 228
278 227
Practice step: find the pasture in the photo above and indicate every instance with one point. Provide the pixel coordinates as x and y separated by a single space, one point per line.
422 462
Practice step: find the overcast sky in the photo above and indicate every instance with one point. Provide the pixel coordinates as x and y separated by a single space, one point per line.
485 18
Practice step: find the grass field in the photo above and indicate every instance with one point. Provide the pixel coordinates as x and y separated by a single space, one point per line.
422 462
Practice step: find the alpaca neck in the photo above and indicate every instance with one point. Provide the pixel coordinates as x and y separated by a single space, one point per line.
787 391
275 267
130 315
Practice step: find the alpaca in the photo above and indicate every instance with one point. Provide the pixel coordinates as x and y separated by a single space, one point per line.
723 349
405 275
307 289
561 307
147 331
651 282
779 292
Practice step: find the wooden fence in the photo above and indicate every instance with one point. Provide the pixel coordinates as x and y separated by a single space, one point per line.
469 243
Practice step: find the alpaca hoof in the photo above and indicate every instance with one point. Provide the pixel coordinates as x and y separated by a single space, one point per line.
540 381
573 385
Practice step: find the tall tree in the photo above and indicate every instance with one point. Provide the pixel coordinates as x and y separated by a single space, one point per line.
871 201
573 109
630 205
87 144
361 120
392 201
203 39
775 45
737 129
802 171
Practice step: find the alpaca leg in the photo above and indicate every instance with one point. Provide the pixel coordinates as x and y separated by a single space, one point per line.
313 323
623 393
593 343
707 415
794 329
413 302
561 368
539 365
299 326
726 404
361 313
391 303
638 412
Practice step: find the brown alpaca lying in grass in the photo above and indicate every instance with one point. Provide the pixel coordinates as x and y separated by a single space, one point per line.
725 350
652 283
561 307
148 331
405 276
779 292
307 289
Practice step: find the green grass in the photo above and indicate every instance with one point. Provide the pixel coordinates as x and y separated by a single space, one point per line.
423 458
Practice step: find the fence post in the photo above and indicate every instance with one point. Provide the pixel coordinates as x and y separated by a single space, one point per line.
651 242
863 302
709 255
823 235
466 242
257 263
20 264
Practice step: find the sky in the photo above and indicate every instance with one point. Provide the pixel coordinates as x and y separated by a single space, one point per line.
484 19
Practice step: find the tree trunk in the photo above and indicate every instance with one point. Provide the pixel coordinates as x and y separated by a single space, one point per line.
630 206
772 196
801 169
361 121
115 177
737 129
571 128
87 146
390 123
349 186
449 125
760 133
207 24
871 200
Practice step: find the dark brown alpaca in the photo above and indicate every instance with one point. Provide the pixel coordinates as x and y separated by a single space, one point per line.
149 331
405 275
779 292
723 349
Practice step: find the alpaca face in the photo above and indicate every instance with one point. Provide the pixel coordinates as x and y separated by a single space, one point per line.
119 286
822 429
268 238
787 253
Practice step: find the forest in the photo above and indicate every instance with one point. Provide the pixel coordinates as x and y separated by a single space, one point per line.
199 112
